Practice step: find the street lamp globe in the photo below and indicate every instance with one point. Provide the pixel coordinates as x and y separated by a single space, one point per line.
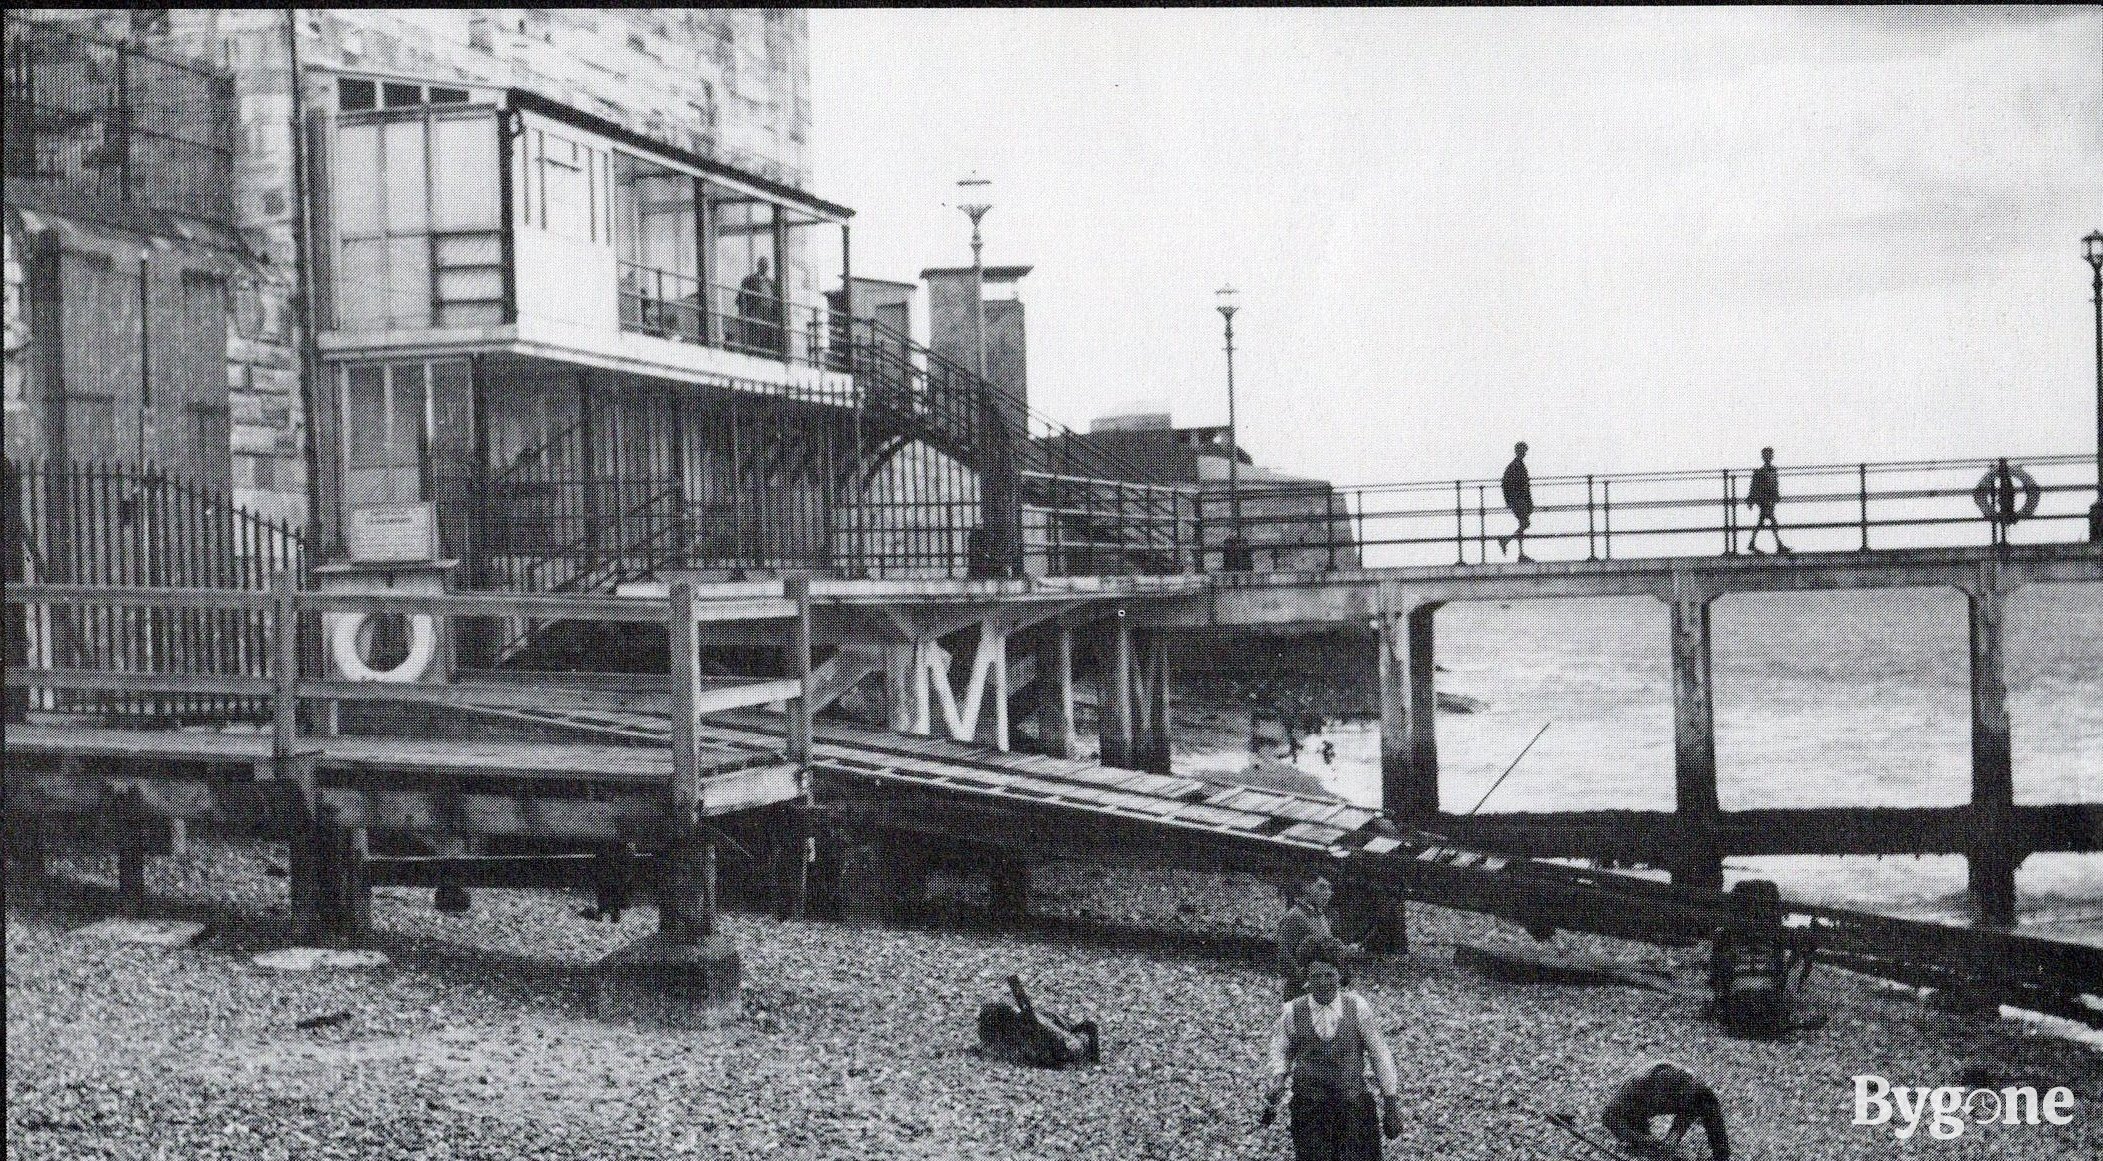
2092 249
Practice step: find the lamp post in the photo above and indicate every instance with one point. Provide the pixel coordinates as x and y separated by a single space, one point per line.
997 540
2092 249
1238 557
972 192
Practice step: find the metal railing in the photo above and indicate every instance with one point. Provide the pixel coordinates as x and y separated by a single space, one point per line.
1822 508
94 524
112 120
671 305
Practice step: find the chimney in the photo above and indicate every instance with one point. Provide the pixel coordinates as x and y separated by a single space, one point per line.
949 332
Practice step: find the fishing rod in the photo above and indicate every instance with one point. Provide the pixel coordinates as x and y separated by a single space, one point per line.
1507 770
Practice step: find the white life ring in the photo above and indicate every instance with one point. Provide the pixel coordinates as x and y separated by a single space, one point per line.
347 648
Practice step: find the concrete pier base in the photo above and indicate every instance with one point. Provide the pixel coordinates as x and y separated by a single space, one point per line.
658 980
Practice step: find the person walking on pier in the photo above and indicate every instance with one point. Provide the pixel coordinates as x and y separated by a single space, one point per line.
1320 1048
1764 493
1518 496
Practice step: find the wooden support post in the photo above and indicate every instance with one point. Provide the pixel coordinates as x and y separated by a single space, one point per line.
1423 711
1993 859
901 678
1408 788
1154 755
131 823
306 860
799 716
683 916
343 882
685 975
1114 692
1698 862
1008 886
995 637
1055 694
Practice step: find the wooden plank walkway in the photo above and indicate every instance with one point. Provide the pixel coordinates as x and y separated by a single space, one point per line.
411 783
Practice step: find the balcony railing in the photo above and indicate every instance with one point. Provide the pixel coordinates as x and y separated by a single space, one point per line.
676 306
115 121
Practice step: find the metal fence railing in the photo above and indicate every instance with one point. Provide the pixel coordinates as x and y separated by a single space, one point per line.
121 527
1822 508
112 120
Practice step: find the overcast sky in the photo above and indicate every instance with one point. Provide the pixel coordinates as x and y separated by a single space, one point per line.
1648 238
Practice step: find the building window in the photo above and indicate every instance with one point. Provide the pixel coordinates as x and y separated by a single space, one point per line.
417 219
657 228
386 434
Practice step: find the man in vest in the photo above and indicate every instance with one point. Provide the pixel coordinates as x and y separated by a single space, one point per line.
1319 1049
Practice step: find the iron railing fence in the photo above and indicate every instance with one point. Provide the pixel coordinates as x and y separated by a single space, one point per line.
1823 508
113 120
672 305
1085 526
112 525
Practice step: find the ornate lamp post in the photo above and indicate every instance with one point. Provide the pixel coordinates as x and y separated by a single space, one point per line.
972 192
2092 249
1238 556
996 551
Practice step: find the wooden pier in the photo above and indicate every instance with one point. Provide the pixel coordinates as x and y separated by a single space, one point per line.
639 761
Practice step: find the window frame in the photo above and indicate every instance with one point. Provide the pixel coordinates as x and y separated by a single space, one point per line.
386 233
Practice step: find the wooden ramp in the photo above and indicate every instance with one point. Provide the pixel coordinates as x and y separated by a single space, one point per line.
1034 806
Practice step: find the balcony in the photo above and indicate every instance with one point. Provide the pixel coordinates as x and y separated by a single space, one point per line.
459 220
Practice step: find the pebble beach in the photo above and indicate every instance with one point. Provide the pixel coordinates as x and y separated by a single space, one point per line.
856 1039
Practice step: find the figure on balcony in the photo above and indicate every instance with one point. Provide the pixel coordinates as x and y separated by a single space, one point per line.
759 310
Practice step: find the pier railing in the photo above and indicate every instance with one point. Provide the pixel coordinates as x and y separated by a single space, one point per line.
1822 508
287 676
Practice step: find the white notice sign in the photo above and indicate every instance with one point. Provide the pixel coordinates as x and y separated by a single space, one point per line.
392 533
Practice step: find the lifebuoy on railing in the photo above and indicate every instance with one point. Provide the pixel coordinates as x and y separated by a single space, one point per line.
348 638
1986 494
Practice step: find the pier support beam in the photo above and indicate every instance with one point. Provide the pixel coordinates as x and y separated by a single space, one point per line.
1993 859
1151 706
1114 693
1698 861
686 975
1409 775
1055 694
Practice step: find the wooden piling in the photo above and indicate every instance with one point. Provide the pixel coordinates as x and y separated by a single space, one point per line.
900 679
1408 752
798 589
1114 693
1153 705
1423 712
1991 864
1055 694
1697 861
684 916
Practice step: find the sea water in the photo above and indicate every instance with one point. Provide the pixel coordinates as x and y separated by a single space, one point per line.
1822 699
